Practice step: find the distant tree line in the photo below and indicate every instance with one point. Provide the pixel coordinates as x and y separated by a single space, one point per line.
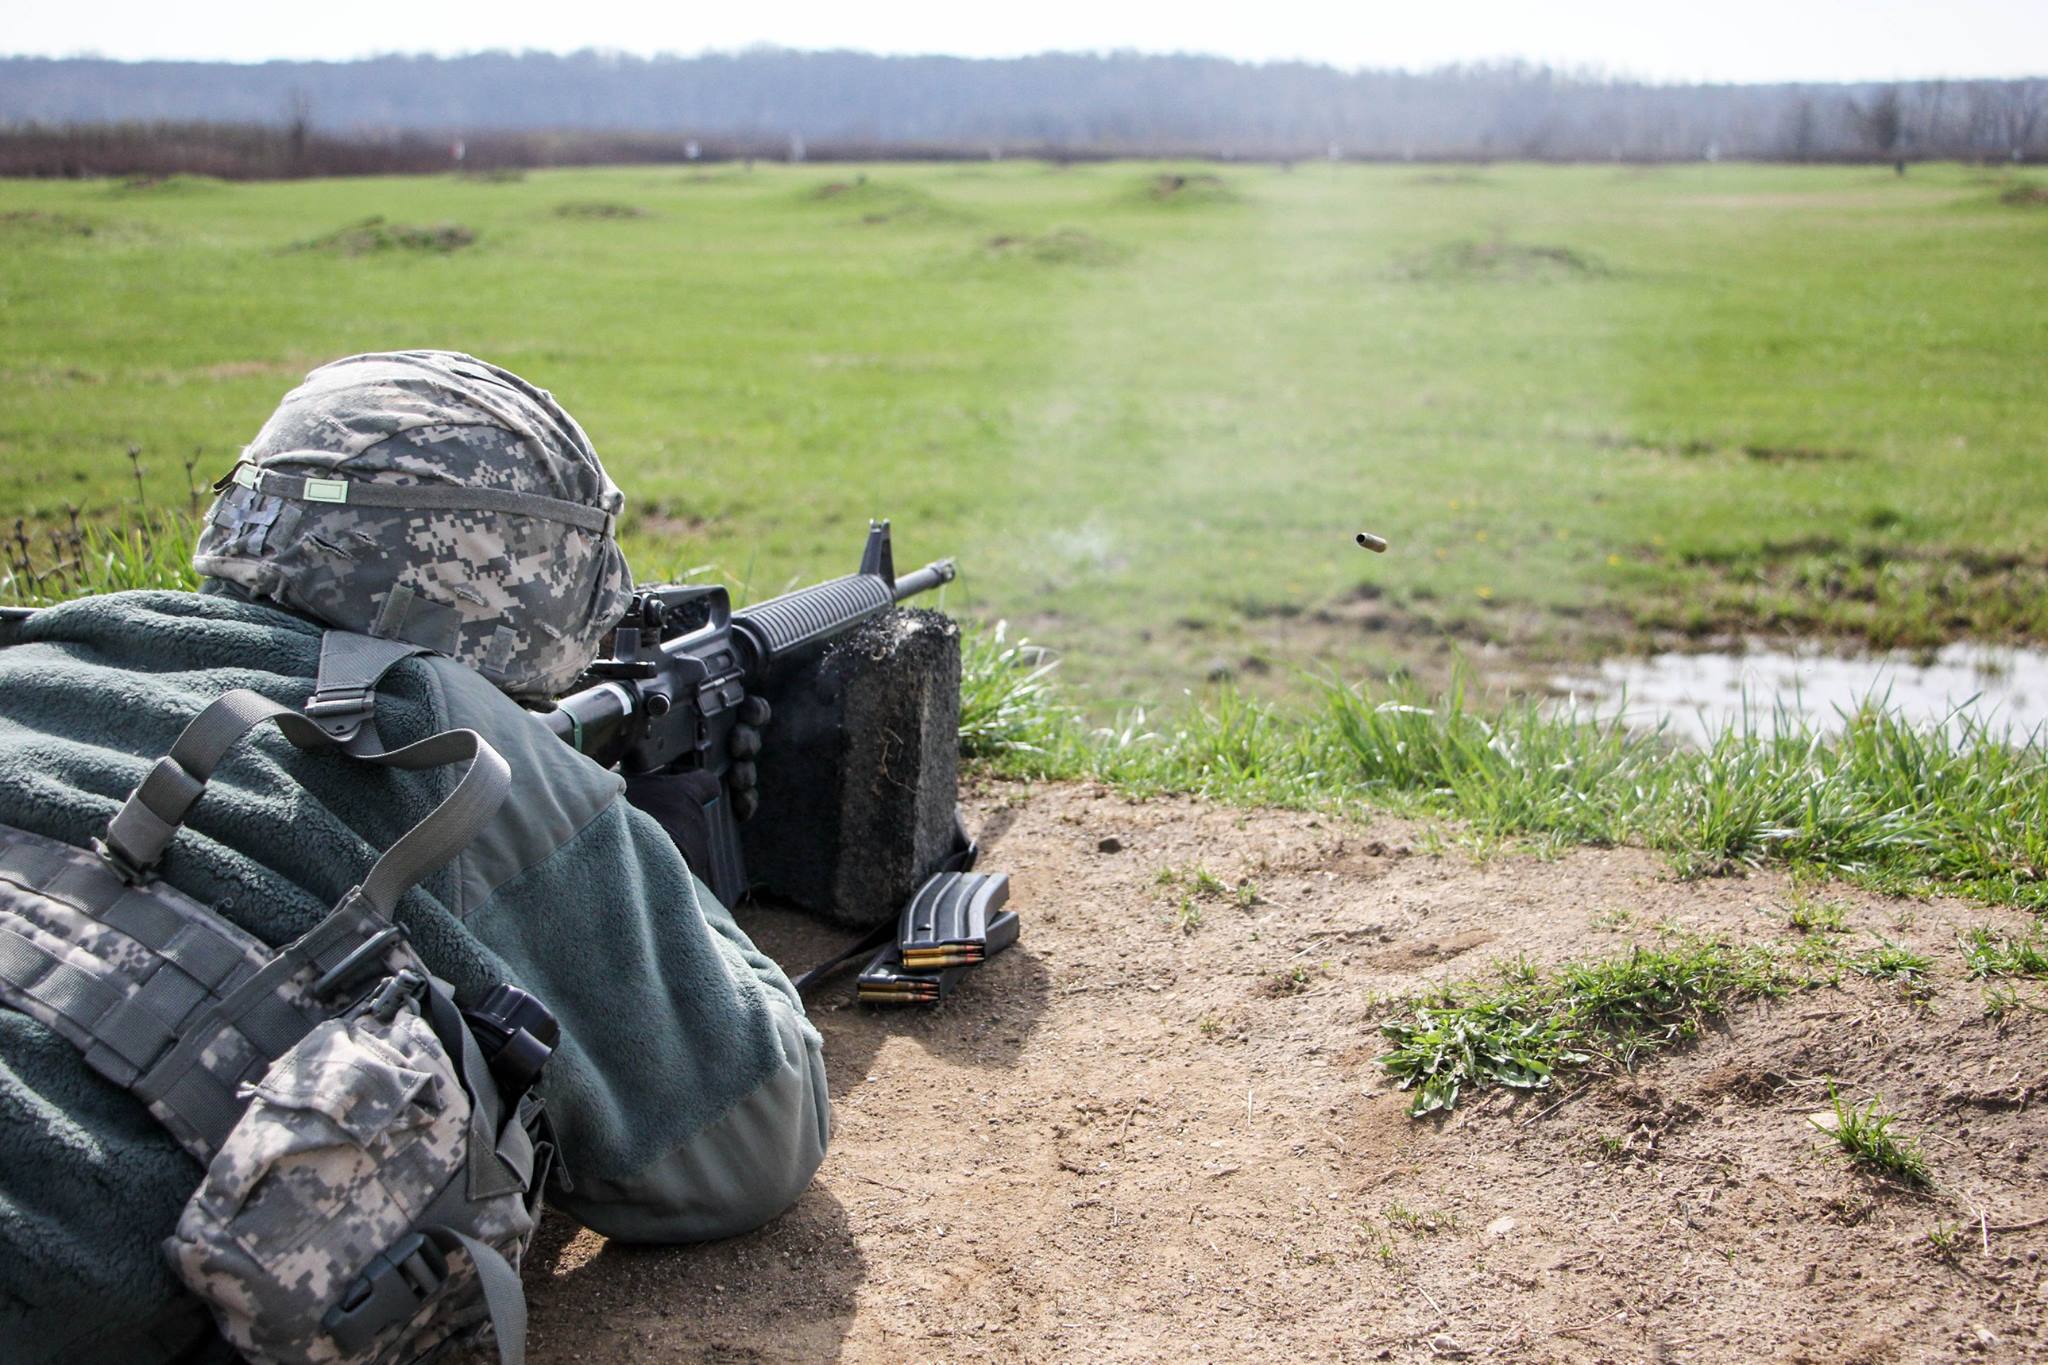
389 112
256 151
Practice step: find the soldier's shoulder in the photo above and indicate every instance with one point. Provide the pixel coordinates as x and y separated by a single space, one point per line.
556 791
161 631
475 703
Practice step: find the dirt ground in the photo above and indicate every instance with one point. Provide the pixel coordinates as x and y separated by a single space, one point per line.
1127 1141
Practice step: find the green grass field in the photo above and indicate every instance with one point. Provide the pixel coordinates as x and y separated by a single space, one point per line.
1586 404
1147 407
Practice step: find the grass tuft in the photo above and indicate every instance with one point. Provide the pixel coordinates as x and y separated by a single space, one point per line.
1897 807
1864 1133
1890 961
1007 704
1810 916
1989 953
146 549
1519 1031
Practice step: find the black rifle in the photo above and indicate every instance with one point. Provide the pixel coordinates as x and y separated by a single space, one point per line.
682 676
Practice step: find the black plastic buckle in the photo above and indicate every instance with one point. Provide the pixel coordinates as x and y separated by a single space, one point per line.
392 994
367 957
120 864
516 1033
388 1292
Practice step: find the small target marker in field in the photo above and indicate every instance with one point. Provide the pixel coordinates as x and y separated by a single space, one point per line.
1377 544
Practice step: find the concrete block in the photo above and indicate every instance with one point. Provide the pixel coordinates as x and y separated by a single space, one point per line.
860 771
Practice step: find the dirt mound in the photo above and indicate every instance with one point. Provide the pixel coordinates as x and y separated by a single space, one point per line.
1801 454
1502 262
1691 448
1158 1125
2026 196
372 235
1193 188
36 223
1062 246
598 209
879 202
161 186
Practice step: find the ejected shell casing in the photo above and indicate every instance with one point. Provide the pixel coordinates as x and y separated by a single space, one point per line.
1377 544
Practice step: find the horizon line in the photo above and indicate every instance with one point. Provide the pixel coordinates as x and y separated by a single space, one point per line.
1588 73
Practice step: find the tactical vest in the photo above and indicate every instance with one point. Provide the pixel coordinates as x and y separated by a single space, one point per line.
372 1176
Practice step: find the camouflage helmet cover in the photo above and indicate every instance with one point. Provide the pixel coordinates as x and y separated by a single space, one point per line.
431 497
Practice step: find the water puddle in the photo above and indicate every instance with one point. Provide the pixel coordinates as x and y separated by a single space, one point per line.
1699 695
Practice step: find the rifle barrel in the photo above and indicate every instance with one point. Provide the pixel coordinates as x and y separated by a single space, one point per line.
932 575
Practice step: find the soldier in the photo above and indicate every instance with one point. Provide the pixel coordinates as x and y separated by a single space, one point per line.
435 500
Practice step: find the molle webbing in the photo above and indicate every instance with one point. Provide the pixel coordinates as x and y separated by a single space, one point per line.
160 995
187 956
422 496
163 997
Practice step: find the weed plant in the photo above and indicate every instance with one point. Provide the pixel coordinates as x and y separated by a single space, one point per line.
1864 1133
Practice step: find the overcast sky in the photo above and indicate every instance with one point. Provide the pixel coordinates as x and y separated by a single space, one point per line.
1728 40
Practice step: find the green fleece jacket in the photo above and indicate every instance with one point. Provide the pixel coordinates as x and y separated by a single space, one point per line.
688 1091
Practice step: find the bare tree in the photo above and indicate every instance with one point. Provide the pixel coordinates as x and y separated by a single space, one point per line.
1883 122
1920 116
298 125
1801 133
2018 112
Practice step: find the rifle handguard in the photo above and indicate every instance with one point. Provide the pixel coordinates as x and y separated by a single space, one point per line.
788 623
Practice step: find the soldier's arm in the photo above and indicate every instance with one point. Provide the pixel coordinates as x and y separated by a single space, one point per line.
753 1162
689 1090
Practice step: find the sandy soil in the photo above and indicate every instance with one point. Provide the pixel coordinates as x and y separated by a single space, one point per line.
1128 1142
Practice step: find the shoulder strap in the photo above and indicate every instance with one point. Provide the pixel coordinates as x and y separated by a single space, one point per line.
182 1040
140 831
344 700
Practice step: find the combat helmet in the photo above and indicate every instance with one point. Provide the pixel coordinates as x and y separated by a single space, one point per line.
434 498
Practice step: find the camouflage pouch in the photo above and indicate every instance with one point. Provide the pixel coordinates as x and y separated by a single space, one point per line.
370 1183
348 1217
